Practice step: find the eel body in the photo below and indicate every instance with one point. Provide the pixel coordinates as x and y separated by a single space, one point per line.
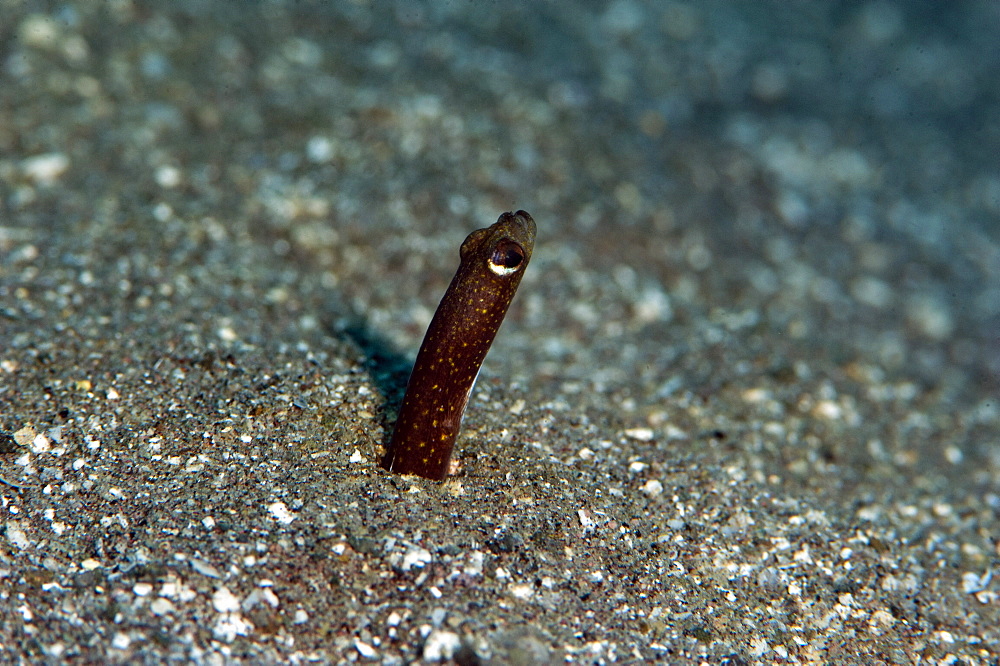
493 261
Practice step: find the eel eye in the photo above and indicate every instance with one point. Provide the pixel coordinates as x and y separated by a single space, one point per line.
506 258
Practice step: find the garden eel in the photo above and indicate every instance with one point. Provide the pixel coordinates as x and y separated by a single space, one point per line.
493 261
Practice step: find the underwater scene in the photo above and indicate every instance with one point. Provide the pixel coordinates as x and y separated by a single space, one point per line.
741 409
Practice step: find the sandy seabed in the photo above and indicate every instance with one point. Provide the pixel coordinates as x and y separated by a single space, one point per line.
742 411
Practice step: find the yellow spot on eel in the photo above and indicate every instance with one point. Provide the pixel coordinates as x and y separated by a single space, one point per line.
492 264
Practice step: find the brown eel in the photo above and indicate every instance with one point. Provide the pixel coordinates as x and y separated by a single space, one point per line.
460 334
